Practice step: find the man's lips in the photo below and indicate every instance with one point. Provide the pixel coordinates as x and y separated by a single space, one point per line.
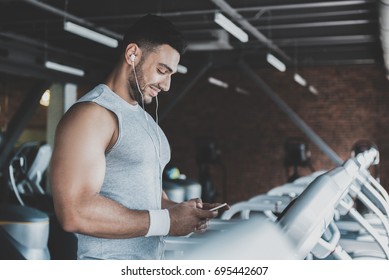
154 91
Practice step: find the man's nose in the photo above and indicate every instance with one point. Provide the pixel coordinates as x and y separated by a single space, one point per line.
165 84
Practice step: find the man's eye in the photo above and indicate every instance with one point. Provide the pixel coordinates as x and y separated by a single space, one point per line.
160 71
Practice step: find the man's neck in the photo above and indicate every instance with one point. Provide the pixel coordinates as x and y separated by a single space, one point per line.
117 82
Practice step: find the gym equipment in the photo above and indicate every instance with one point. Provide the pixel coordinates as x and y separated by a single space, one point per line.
297 154
24 233
269 205
359 147
182 190
26 168
364 235
177 247
363 145
24 177
255 239
308 218
248 237
350 229
177 187
208 154
317 218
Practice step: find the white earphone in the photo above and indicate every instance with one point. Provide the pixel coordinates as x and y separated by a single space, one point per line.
132 57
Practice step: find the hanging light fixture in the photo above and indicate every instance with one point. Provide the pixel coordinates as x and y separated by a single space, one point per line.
300 80
217 82
313 90
275 62
64 68
90 34
182 69
231 27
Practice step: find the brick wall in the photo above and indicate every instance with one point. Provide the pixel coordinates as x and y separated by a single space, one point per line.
353 104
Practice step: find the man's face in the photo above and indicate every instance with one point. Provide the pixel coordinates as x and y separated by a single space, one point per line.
154 73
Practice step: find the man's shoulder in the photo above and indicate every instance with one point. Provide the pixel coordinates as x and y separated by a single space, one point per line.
86 107
92 94
87 113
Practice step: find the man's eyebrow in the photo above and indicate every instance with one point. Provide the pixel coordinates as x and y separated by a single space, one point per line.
167 67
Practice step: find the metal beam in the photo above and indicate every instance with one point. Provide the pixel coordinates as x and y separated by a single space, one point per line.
33 46
328 40
318 24
254 8
185 90
225 7
299 6
40 72
291 114
73 18
20 119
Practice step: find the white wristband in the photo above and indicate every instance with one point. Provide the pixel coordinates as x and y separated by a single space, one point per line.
159 223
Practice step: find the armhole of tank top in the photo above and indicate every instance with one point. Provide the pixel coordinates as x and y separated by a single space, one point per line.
119 127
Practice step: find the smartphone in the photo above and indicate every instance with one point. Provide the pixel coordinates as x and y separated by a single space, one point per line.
218 207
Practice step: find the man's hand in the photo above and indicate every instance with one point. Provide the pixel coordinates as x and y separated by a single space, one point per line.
188 216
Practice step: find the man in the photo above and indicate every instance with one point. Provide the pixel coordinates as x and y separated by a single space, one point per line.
109 154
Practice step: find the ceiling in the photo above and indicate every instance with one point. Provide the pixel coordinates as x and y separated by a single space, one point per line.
300 33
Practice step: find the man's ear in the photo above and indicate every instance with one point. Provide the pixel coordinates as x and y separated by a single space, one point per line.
132 54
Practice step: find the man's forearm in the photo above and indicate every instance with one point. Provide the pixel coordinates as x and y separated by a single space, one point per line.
102 217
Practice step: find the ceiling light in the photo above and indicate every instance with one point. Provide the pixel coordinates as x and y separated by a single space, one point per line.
242 91
300 80
90 34
231 27
182 69
45 99
64 68
275 62
313 90
217 82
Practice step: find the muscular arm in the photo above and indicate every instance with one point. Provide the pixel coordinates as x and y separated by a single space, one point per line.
77 174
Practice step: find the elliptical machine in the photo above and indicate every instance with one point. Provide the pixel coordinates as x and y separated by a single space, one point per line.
24 231
27 220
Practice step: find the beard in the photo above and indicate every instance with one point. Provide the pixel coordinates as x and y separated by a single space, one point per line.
133 87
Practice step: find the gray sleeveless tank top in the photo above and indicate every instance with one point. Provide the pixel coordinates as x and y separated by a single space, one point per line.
133 176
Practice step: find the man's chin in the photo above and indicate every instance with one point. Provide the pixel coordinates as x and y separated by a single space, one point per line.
148 100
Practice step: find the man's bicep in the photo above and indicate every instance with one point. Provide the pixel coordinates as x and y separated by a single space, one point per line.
75 165
78 162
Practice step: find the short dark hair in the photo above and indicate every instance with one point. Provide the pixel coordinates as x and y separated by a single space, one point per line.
151 31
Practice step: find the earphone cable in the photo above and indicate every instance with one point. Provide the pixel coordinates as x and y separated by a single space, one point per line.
140 91
156 116
156 120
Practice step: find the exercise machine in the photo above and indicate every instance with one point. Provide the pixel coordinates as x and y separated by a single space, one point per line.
28 202
316 221
24 233
309 221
